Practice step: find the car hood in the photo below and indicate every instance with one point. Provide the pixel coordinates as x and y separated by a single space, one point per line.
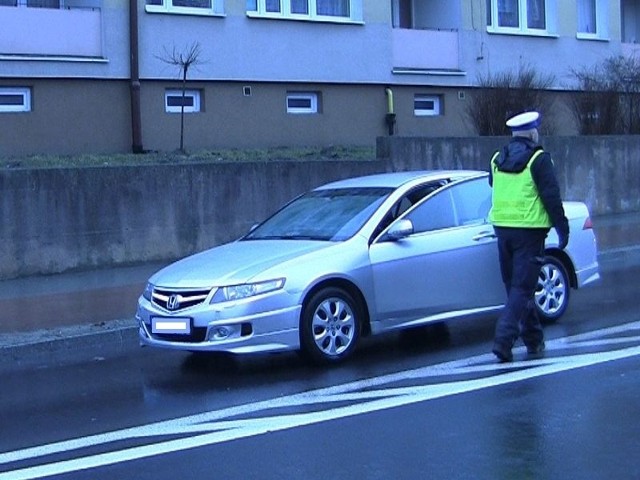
233 263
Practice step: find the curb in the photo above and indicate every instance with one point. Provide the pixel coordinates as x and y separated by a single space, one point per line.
116 337
617 258
94 342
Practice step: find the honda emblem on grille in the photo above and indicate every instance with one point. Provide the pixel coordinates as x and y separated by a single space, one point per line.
173 303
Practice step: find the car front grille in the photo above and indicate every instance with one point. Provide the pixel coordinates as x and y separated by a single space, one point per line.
176 300
197 335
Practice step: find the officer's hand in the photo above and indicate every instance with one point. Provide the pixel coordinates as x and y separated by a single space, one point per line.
563 241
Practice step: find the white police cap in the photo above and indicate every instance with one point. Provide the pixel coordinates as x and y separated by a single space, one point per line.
524 121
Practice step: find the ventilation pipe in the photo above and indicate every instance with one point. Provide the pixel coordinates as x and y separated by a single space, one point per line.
136 122
390 117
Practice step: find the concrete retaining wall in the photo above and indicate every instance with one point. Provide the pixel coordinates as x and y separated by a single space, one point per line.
602 171
54 220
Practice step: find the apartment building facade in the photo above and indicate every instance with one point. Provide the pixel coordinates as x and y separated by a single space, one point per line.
97 76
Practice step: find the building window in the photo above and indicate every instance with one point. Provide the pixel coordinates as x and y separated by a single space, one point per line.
198 7
55 4
427 105
336 10
174 100
301 7
630 19
302 102
592 16
43 3
518 16
15 99
31 3
587 16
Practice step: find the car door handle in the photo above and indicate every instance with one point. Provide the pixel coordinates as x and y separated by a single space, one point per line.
484 236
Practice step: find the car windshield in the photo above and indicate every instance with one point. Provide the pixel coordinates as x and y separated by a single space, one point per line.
334 215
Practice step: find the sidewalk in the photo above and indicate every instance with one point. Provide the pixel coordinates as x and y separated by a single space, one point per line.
95 309
618 238
86 313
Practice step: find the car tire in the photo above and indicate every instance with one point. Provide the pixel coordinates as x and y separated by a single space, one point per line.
552 290
330 326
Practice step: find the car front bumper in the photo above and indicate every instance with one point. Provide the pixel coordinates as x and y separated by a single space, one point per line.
236 328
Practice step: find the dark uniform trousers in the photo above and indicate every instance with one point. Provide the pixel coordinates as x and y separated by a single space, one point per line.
521 252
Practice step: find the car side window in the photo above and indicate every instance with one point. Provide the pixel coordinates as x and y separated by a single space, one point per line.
435 213
472 201
406 202
467 203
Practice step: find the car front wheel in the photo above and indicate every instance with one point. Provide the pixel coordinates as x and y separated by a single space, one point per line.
330 326
552 291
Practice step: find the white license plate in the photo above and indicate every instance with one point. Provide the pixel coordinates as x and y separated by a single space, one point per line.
171 325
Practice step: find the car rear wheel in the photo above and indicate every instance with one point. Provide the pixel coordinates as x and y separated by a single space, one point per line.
330 326
552 291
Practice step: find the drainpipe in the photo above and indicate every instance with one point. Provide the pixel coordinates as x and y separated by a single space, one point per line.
390 117
136 122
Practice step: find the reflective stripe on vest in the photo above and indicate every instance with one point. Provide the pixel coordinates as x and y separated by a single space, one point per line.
515 198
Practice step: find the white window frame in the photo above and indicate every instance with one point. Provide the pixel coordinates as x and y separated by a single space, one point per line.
601 17
427 112
166 6
258 9
195 94
312 97
24 92
523 28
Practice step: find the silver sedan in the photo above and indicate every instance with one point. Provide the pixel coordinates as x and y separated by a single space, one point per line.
352 258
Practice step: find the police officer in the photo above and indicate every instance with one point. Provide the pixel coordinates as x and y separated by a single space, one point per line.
526 203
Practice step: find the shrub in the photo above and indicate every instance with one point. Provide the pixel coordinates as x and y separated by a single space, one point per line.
503 95
606 102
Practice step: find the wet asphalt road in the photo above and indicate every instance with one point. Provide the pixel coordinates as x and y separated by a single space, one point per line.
428 404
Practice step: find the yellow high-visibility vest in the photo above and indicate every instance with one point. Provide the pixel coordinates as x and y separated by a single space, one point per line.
515 198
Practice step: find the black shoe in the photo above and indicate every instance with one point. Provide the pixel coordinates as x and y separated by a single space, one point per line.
536 349
504 355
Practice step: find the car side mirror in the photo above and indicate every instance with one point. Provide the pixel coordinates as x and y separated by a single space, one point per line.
400 229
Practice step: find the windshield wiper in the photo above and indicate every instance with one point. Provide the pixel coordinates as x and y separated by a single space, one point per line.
289 237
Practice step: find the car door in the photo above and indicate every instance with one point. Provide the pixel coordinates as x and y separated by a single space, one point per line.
447 266
482 281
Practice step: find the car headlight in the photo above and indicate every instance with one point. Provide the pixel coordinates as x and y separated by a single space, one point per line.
246 290
148 291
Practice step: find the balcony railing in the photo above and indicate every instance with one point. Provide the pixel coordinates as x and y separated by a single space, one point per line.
65 28
425 50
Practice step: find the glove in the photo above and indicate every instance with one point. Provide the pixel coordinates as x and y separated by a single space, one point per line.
563 240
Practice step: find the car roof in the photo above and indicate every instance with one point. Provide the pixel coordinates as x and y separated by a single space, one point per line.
397 179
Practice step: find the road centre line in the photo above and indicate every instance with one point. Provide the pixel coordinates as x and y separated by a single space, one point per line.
367 399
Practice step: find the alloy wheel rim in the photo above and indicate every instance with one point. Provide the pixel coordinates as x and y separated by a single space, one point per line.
333 326
551 289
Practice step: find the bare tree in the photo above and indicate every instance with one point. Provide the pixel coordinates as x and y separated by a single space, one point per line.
184 60
607 100
505 94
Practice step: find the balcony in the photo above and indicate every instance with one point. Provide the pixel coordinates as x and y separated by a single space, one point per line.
74 30
425 51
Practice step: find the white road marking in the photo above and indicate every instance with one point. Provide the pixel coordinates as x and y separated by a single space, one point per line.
210 428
